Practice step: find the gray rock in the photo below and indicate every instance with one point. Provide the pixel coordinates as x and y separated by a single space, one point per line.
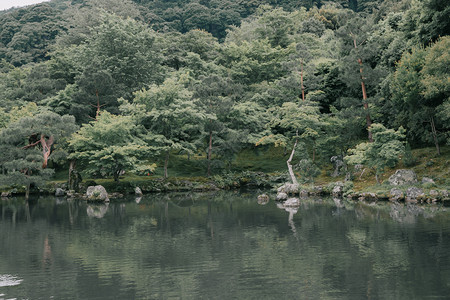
317 190
358 167
138 191
303 193
338 189
6 194
367 196
427 180
59 192
288 188
292 202
402 177
434 194
263 199
281 196
395 194
338 163
97 193
414 193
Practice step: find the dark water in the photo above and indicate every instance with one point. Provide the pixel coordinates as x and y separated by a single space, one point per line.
222 246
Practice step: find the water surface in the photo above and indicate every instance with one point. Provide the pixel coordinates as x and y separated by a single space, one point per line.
222 246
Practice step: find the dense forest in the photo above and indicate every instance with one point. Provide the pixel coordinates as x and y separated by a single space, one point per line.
113 86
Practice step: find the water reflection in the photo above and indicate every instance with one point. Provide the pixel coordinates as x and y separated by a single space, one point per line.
97 210
224 245
9 280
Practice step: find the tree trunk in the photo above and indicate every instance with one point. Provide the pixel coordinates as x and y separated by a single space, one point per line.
27 192
364 92
71 179
301 81
166 164
433 129
209 153
290 169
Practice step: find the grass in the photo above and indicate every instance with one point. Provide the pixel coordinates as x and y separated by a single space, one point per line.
273 159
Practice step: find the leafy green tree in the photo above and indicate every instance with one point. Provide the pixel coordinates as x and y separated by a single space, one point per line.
170 116
111 145
293 122
215 95
420 86
385 150
27 145
117 59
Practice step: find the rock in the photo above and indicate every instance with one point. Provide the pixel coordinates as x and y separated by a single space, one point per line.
338 163
6 194
367 196
395 194
97 193
288 188
292 202
444 195
317 190
138 191
427 180
358 167
414 193
338 189
116 195
281 196
263 199
402 177
434 195
303 193
59 192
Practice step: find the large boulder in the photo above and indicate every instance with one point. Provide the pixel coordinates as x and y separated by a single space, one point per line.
138 191
414 194
395 194
288 188
59 192
338 189
402 177
338 163
281 196
97 193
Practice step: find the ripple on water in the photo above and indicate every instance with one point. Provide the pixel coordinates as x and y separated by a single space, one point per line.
9 280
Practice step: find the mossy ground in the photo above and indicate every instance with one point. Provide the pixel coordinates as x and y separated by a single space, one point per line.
272 160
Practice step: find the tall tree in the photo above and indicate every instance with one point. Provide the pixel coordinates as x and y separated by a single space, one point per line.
170 116
28 144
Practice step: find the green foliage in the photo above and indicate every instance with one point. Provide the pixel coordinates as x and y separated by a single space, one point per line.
110 145
185 73
385 151
22 161
307 169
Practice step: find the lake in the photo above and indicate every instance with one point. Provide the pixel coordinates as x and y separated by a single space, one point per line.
222 245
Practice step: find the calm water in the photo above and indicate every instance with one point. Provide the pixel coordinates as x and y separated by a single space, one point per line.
222 246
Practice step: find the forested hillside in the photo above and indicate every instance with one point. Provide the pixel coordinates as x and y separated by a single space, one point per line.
114 86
